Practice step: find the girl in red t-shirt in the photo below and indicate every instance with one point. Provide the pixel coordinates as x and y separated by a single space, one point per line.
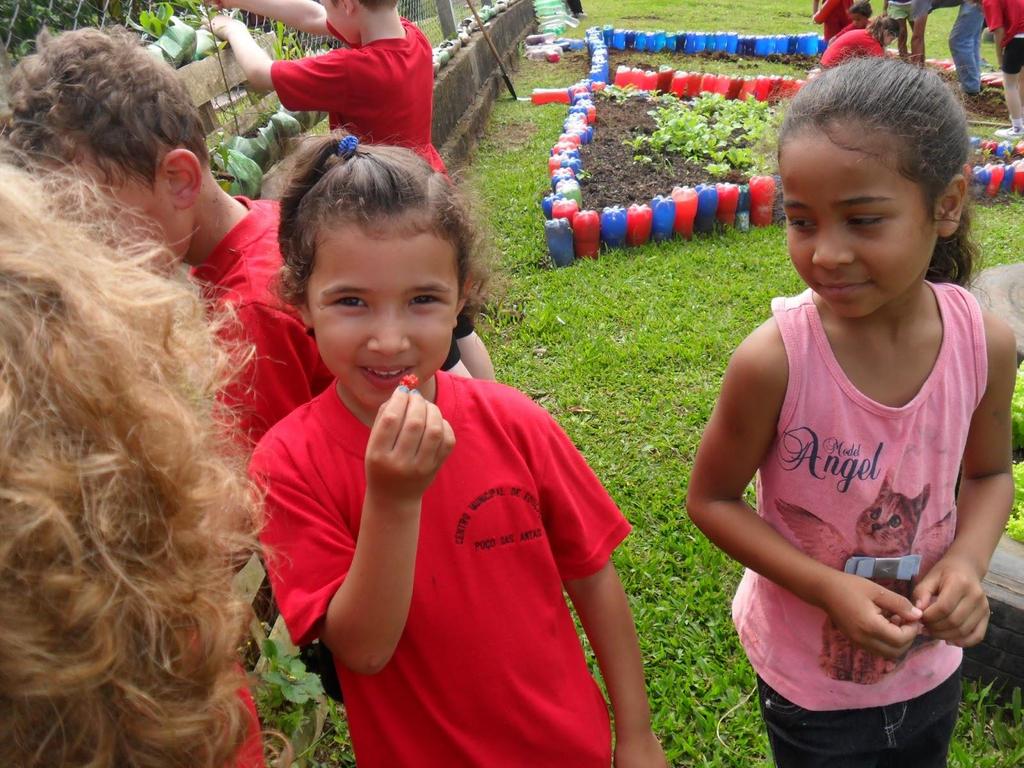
123 512
424 528
861 42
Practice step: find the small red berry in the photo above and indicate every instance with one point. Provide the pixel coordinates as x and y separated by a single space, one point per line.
411 381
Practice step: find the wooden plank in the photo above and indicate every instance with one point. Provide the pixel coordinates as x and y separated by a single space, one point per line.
248 580
251 115
203 79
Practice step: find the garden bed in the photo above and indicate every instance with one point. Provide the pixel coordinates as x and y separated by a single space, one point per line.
613 177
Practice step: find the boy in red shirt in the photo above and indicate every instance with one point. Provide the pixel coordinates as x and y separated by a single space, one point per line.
1006 20
861 42
860 16
96 99
380 88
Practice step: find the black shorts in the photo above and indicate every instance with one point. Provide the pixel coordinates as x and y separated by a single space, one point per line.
463 328
1013 56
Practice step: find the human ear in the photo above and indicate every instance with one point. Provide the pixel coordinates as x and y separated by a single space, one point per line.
180 174
949 206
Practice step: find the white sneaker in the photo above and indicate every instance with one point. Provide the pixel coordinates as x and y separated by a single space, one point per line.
1010 133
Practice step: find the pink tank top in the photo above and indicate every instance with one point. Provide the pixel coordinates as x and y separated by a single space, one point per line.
847 476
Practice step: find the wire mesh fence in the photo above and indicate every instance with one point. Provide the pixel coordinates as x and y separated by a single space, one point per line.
21 20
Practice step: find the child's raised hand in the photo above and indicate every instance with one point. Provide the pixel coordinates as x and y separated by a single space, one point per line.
955 605
222 26
408 443
875 618
642 752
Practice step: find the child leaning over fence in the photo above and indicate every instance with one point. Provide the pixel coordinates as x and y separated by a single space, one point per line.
96 99
425 525
858 404
380 88
123 510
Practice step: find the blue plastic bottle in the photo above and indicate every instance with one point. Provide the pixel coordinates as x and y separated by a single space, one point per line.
722 41
1008 174
613 226
689 42
981 176
640 41
822 45
743 209
559 236
607 32
664 218
1001 149
975 142
734 43
760 46
660 38
791 43
547 202
619 40
670 41
707 206
630 38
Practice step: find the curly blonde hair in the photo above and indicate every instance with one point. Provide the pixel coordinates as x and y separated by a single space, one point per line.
123 512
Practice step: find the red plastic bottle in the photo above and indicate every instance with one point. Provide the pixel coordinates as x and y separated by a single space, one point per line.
708 83
649 82
693 84
563 146
586 230
722 83
572 138
565 209
762 87
678 86
1019 149
550 96
728 197
686 210
995 180
735 86
747 89
665 78
762 200
1018 177
621 76
773 92
638 224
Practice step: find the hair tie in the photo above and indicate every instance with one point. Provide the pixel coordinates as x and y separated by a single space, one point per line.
347 147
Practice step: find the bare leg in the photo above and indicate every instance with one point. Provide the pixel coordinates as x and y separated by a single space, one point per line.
901 39
1013 86
476 359
917 40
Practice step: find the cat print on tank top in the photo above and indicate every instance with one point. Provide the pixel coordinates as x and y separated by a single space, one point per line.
888 527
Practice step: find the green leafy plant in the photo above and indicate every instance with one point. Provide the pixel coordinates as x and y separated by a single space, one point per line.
288 694
154 23
1017 412
719 133
1015 526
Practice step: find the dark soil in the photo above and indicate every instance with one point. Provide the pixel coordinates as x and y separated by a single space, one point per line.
613 177
989 104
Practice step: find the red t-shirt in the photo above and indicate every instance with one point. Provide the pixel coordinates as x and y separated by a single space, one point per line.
250 755
489 668
382 92
833 15
287 370
1005 14
856 42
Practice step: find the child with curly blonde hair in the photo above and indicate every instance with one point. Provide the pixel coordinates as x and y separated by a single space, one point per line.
122 509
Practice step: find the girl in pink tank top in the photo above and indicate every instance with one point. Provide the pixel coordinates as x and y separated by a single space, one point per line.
858 404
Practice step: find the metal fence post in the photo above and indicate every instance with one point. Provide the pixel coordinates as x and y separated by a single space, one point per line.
446 16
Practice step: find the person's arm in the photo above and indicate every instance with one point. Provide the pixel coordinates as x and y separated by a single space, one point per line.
608 621
303 15
825 11
254 61
954 603
998 35
366 616
737 437
475 357
814 7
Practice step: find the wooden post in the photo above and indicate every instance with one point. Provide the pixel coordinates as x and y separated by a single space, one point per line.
446 16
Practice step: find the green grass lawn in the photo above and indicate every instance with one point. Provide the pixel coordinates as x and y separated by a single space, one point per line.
628 353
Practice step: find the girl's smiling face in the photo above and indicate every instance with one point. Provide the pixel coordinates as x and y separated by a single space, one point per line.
382 308
860 234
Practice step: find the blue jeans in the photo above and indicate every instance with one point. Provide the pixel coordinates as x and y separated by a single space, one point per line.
912 733
965 46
